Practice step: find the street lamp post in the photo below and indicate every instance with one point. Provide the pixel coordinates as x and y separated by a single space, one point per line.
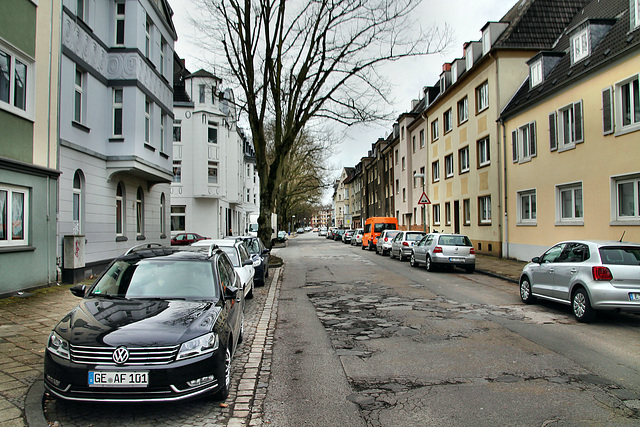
424 222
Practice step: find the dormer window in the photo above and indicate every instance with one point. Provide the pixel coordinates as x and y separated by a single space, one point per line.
454 72
580 45
636 15
486 42
535 73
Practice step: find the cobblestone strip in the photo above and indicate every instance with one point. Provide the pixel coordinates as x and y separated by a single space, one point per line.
252 389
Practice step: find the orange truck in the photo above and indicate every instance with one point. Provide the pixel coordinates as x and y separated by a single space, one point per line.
373 227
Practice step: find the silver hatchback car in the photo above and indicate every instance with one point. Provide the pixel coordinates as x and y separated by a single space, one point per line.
588 275
383 245
444 250
403 242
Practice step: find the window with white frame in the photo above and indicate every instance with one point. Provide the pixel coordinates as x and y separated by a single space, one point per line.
448 166
463 159
177 171
527 208
636 13
463 110
466 211
119 36
628 104
212 133
436 214
177 130
82 11
580 45
16 87
447 120
163 117
212 174
627 193
535 73
163 47
486 41
524 143
79 95
484 157
14 216
447 213
422 138
435 171
147 38
434 130
201 93
147 121
178 217
120 210
569 203
140 212
117 112
77 202
163 215
570 126
482 97
484 209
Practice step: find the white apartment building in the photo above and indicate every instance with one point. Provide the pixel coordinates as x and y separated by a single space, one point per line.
215 184
116 101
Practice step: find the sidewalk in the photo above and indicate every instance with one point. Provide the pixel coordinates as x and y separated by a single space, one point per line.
27 320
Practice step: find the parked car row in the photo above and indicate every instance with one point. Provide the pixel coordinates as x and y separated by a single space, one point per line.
202 286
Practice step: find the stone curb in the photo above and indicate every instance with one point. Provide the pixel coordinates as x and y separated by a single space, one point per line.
33 406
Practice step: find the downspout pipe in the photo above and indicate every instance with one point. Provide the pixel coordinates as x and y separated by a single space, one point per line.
504 181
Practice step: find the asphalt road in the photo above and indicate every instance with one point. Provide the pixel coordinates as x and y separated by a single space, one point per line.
362 339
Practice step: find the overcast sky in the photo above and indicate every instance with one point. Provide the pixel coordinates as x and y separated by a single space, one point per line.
408 77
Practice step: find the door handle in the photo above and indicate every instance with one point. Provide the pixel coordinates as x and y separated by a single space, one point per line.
574 271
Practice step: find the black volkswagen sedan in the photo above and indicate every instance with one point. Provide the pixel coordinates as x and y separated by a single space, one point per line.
161 324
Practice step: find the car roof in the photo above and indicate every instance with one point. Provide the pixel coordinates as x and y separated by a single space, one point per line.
600 243
157 251
220 242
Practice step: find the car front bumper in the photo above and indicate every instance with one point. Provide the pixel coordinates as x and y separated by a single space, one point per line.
68 380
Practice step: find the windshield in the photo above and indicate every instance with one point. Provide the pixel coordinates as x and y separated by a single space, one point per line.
620 255
379 228
157 279
253 227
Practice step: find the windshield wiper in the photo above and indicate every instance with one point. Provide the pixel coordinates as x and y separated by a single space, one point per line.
108 296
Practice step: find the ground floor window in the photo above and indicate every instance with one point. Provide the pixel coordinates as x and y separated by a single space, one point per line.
628 198
178 215
527 207
484 207
466 210
14 216
436 214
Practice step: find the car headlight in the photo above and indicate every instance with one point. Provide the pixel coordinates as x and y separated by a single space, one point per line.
199 346
58 346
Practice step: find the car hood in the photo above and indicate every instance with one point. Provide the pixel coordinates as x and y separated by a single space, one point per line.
100 321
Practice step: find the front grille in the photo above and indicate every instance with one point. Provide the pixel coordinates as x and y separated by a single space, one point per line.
137 355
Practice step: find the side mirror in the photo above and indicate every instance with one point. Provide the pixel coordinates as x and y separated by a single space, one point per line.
536 260
230 292
78 290
266 251
247 262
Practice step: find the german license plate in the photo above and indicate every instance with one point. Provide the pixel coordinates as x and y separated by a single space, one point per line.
634 296
118 379
456 259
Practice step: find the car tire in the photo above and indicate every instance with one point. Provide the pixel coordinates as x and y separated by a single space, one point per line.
412 261
250 293
391 253
370 246
525 291
266 269
223 393
362 247
401 256
470 269
581 306
429 264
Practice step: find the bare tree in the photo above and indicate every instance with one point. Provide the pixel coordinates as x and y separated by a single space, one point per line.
297 61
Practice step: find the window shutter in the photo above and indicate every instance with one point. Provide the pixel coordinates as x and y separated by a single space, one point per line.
577 116
514 145
532 139
553 135
607 111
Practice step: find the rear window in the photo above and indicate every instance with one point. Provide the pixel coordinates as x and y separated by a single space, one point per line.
620 255
379 228
454 241
414 237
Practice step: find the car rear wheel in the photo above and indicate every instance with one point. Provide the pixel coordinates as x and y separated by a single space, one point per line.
223 393
429 264
391 253
581 306
470 269
412 261
525 291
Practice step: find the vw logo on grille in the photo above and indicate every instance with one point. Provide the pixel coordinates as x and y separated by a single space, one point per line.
121 355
